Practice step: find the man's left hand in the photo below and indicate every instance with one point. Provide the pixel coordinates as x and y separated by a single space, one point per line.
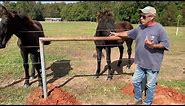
149 43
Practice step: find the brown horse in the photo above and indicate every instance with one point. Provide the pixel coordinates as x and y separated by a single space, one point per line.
28 31
106 24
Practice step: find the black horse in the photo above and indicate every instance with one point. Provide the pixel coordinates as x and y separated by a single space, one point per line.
106 24
28 31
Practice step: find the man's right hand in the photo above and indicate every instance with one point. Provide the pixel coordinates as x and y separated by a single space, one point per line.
114 34
120 34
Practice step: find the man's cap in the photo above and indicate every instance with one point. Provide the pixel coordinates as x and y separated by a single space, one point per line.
148 10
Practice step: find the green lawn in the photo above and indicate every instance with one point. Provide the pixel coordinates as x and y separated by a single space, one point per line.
171 73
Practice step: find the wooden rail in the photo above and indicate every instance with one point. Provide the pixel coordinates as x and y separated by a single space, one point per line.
78 38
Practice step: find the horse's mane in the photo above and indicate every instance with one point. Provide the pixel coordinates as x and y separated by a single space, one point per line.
103 13
25 20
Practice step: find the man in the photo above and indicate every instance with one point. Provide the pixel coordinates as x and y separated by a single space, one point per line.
151 41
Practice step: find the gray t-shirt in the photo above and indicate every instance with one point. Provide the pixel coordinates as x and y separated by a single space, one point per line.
144 56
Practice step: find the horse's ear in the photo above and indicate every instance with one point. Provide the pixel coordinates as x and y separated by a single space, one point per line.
112 14
98 14
13 13
3 9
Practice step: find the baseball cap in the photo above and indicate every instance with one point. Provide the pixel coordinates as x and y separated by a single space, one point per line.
149 10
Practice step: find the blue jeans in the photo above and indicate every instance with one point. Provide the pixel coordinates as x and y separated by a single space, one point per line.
138 76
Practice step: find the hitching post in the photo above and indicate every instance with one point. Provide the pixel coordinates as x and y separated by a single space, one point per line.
41 45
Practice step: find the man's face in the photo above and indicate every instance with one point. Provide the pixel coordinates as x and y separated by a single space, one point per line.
145 18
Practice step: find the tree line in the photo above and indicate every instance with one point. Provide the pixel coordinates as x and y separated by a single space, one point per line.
169 13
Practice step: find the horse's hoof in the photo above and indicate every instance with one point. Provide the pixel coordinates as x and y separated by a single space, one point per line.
26 85
40 84
32 77
128 66
109 78
119 65
96 77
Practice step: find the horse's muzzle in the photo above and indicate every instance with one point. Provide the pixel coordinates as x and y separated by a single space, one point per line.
2 46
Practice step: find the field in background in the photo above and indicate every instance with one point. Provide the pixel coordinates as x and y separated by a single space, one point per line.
76 61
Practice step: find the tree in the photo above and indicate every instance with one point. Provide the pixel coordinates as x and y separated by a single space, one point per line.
168 15
183 15
37 12
167 11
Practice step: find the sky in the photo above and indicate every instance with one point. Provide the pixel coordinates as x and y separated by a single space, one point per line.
50 1
58 1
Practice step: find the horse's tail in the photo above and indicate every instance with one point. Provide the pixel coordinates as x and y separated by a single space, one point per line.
42 33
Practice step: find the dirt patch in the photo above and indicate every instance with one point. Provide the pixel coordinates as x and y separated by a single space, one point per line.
56 96
163 95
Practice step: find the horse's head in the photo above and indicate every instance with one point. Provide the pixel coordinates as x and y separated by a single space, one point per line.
7 26
105 21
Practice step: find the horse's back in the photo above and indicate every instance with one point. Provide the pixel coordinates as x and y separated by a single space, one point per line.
35 30
123 26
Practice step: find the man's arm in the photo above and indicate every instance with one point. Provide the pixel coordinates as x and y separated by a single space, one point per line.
159 46
120 34
150 44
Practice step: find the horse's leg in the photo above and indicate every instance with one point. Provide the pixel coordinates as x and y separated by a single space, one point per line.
143 85
38 67
26 68
99 56
108 59
129 51
33 67
121 49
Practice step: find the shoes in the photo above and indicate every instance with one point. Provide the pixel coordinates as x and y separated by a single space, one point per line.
138 102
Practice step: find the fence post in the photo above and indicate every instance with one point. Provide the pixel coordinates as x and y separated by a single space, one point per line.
41 45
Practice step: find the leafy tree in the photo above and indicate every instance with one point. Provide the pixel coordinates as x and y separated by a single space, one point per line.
37 12
167 11
183 14
168 15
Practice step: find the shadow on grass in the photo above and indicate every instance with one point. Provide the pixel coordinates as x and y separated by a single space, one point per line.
60 68
114 67
13 83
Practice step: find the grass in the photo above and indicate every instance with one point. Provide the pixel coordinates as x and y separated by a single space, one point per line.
12 95
177 84
11 63
101 89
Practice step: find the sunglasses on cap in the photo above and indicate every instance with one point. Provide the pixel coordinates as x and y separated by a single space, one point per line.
145 16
